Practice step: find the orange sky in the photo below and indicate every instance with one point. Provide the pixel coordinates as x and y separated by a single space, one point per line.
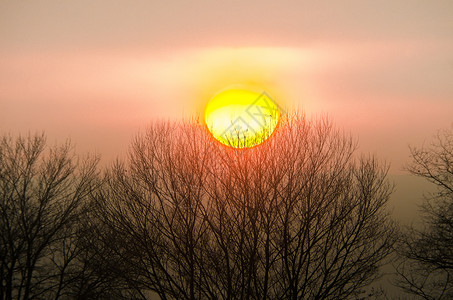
99 71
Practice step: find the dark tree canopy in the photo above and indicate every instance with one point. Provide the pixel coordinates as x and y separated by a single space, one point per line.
426 267
298 217
43 196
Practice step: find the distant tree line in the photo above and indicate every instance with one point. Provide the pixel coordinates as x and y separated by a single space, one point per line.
425 267
299 217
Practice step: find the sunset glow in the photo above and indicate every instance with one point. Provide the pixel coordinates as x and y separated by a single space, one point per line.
226 149
241 117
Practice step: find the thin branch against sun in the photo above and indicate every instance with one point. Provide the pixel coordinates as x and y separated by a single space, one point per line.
241 116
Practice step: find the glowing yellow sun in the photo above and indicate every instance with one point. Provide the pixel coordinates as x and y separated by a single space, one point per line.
241 117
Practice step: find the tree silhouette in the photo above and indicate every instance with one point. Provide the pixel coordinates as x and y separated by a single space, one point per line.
43 195
298 217
426 266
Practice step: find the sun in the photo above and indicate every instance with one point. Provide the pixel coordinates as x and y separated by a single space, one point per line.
241 117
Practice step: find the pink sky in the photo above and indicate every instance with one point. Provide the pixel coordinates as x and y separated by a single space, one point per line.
99 71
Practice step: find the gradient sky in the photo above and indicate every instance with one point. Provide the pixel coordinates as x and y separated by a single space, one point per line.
99 71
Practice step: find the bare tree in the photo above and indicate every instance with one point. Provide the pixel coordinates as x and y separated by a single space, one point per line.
426 268
43 193
297 217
